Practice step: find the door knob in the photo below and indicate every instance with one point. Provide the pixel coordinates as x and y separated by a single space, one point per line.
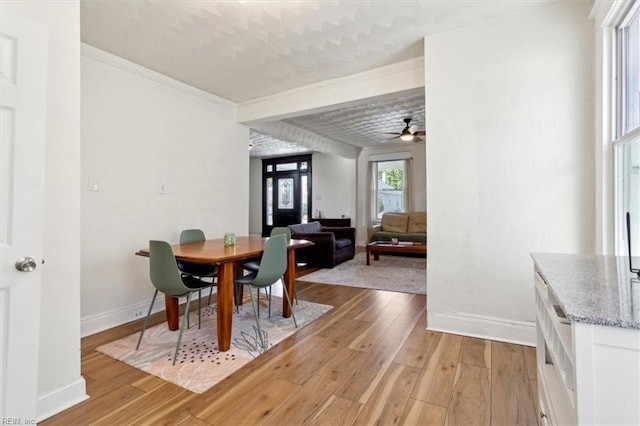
26 264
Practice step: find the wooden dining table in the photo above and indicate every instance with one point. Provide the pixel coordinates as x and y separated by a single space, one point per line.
229 261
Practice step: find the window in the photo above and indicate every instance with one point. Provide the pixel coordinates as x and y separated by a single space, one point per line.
283 167
627 144
269 200
628 37
627 156
389 193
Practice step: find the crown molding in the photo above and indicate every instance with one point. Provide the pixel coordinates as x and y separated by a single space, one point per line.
610 13
227 107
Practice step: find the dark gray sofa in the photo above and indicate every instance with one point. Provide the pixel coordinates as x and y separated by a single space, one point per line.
331 244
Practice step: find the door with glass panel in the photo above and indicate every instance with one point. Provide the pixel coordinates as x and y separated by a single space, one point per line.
286 191
286 206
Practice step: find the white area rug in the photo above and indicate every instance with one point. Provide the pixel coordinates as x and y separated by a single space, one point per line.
200 365
393 273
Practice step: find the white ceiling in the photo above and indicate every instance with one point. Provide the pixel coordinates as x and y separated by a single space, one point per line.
247 50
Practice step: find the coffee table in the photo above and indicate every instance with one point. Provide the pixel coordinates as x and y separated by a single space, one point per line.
378 247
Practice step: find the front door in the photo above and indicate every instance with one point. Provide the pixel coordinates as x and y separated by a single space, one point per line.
23 72
286 192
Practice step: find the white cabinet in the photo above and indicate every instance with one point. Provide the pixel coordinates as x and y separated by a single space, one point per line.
555 357
587 373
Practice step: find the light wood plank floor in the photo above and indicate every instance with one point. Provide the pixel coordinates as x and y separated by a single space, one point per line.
368 361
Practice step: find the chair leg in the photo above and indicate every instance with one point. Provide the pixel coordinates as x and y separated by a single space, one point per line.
146 320
286 294
185 318
236 294
199 308
267 294
186 311
213 284
258 300
255 312
237 289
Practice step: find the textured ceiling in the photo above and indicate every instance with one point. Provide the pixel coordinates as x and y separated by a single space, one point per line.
366 125
243 51
363 125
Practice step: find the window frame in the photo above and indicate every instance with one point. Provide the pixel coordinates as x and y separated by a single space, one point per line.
623 136
374 190
622 30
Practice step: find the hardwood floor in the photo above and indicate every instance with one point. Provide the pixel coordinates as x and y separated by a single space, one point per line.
370 360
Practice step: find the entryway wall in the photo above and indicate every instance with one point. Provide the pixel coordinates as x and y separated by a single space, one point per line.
333 188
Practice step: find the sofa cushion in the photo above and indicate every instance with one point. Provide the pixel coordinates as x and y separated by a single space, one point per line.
305 228
342 243
417 222
394 222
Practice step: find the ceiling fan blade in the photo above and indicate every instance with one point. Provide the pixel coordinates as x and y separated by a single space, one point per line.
420 133
417 139
390 139
397 134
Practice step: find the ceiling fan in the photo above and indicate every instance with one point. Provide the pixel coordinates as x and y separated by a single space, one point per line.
407 135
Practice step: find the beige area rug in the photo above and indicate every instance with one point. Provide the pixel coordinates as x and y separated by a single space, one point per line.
200 365
393 273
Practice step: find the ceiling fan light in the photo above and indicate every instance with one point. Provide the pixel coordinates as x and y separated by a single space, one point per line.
406 137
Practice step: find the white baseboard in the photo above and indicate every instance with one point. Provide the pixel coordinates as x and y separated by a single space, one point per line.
499 329
59 400
106 320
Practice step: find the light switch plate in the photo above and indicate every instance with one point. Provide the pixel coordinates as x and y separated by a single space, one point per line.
92 184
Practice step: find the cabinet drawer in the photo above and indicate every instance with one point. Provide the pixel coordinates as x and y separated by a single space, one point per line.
554 398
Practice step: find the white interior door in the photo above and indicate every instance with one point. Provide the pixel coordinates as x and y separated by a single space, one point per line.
23 63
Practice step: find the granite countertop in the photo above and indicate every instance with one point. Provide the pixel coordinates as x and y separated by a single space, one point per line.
593 289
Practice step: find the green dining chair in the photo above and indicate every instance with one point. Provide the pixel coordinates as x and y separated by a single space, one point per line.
272 267
168 279
254 264
199 270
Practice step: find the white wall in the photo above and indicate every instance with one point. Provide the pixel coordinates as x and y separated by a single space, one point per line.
255 196
333 188
141 130
509 164
60 384
417 152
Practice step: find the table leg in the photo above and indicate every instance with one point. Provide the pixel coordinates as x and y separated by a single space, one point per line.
368 254
289 282
376 255
172 310
225 305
